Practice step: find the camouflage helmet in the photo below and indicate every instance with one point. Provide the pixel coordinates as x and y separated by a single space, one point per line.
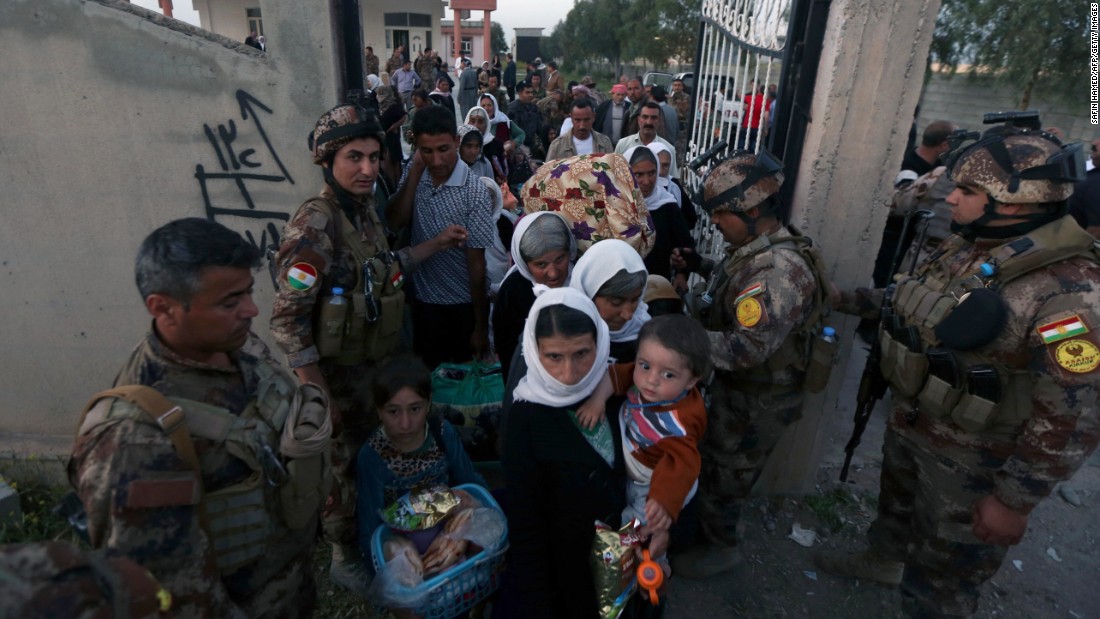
339 126
1017 166
742 181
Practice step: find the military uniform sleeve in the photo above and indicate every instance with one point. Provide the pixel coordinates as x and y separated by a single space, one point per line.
305 256
141 500
679 466
764 317
1065 423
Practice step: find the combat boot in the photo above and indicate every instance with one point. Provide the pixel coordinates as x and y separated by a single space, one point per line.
348 571
706 560
865 565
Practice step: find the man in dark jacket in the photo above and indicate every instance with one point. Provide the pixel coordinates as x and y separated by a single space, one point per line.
510 77
611 115
525 113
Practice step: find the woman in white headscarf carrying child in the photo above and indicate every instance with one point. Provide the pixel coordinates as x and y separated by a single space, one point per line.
560 477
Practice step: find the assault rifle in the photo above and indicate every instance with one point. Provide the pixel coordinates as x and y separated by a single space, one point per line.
872 384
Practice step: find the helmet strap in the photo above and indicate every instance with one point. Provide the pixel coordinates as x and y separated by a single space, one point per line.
348 202
979 228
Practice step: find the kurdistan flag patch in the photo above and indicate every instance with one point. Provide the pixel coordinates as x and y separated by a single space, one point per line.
302 276
1062 329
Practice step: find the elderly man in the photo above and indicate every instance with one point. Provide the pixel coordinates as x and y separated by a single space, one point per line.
611 115
649 120
637 96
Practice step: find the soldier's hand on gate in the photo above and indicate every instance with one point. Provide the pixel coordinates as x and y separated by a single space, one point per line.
997 523
686 259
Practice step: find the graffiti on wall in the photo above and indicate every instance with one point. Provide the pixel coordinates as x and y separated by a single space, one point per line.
243 164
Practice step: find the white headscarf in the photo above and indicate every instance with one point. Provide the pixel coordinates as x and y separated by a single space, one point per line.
487 135
518 263
373 81
659 196
538 385
600 263
498 116
664 180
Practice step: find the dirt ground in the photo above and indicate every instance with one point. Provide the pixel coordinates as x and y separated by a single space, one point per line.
779 578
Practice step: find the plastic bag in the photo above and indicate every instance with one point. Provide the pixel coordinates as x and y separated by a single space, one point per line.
484 529
396 582
469 396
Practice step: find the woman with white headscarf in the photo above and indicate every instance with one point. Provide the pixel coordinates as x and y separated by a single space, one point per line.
491 148
559 478
506 132
672 184
543 250
470 143
669 224
613 275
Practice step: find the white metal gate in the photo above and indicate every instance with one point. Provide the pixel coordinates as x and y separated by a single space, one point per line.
737 79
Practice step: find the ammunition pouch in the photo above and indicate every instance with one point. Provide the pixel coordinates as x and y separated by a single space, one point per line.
954 318
372 323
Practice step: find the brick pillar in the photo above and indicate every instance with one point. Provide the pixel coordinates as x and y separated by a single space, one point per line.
488 36
458 34
869 80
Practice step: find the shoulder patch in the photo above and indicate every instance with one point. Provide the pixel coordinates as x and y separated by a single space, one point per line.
164 492
750 291
302 276
749 312
1064 328
1078 356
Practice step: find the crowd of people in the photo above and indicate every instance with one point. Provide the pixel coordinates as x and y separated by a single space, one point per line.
628 395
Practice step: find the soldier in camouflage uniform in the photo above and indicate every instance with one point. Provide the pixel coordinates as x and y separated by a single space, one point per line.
682 102
926 192
326 245
759 302
994 362
155 503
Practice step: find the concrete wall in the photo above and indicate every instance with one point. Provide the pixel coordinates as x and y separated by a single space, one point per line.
963 101
871 69
118 120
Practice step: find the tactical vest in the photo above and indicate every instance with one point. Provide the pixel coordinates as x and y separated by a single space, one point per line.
802 350
926 299
282 495
372 325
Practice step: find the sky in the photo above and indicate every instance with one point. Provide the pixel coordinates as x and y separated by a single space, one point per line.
511 14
